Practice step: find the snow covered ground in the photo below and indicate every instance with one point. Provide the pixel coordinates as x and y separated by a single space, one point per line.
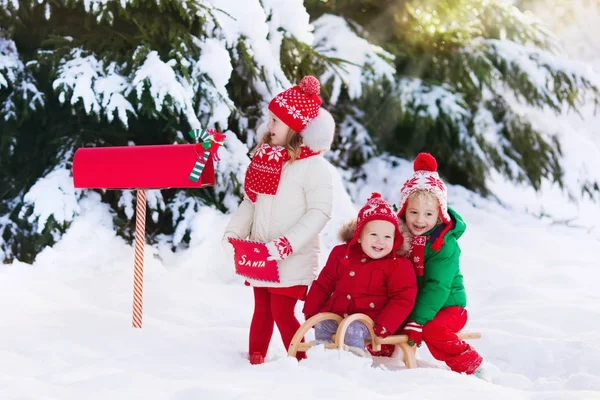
65 331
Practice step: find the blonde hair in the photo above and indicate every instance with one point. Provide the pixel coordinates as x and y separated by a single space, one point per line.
423 195
426 196
293 142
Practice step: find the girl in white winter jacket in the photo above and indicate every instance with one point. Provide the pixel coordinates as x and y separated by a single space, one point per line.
288 200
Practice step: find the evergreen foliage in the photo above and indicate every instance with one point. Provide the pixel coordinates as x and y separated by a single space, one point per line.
463 68
448 78
116 73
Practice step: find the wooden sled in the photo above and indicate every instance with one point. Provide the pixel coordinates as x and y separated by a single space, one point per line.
410 359
296 344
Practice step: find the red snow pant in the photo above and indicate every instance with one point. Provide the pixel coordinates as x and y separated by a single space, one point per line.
440 336
274 306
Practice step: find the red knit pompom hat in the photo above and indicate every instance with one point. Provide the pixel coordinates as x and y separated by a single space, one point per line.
376 209
426 178
298 105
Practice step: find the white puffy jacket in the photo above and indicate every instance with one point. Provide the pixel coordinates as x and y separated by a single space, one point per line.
299 210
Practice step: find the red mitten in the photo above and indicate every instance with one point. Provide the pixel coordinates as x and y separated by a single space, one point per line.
414 331
279 249
381 331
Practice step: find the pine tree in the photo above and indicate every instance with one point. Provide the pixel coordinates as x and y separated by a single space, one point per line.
450 77
118 73
465 71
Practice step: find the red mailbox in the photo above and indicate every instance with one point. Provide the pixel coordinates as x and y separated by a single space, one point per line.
147 167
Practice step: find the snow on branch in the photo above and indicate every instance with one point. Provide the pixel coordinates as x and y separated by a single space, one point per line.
9 3
24 91
510 23
539 76
19 82
489 131
430 100
53 195
102 91
10 65
189 9
184 209
354 135
165 87
290 15
211 73
246 20
336 39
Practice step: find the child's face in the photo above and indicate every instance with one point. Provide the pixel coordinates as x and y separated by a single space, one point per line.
377 238
421 214
278 131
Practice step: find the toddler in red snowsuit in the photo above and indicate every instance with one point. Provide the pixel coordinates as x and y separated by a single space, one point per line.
365 275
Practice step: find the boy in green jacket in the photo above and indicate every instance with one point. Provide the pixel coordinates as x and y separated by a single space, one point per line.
439 311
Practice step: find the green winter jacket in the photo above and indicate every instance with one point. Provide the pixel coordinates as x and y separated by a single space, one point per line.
442 283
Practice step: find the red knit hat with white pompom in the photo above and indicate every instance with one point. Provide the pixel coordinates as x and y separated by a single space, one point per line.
376 209
426 178
298 105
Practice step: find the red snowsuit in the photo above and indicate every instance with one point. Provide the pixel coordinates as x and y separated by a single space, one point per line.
384 289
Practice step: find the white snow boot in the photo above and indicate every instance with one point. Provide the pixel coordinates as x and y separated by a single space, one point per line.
482 374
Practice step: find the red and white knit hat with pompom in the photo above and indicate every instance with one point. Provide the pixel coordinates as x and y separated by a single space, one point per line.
298 105
376 209
425 178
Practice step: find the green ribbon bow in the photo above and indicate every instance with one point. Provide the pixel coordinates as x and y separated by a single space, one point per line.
204 137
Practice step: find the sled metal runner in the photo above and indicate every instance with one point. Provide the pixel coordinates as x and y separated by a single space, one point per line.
410 359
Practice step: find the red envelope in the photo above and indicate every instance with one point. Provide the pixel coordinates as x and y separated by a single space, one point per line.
251 261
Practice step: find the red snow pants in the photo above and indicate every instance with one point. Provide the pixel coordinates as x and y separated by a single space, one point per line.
440 336
273 306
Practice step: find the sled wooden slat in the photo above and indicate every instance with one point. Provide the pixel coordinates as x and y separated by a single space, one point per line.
399 339
306 346
296 344
343 327
410 359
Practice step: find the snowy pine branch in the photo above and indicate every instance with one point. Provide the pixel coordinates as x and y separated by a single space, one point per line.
18 91
363 63
158 88
101 90
537 76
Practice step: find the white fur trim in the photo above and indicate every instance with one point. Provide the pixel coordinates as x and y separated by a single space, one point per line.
318 134
261 131
273 252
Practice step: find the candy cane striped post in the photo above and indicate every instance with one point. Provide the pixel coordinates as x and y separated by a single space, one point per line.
138 272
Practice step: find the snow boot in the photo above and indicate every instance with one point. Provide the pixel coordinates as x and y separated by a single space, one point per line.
256 358
358 351
386 350
482 374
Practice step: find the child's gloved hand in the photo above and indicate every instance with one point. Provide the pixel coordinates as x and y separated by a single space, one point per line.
279 249
381 331
414 331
